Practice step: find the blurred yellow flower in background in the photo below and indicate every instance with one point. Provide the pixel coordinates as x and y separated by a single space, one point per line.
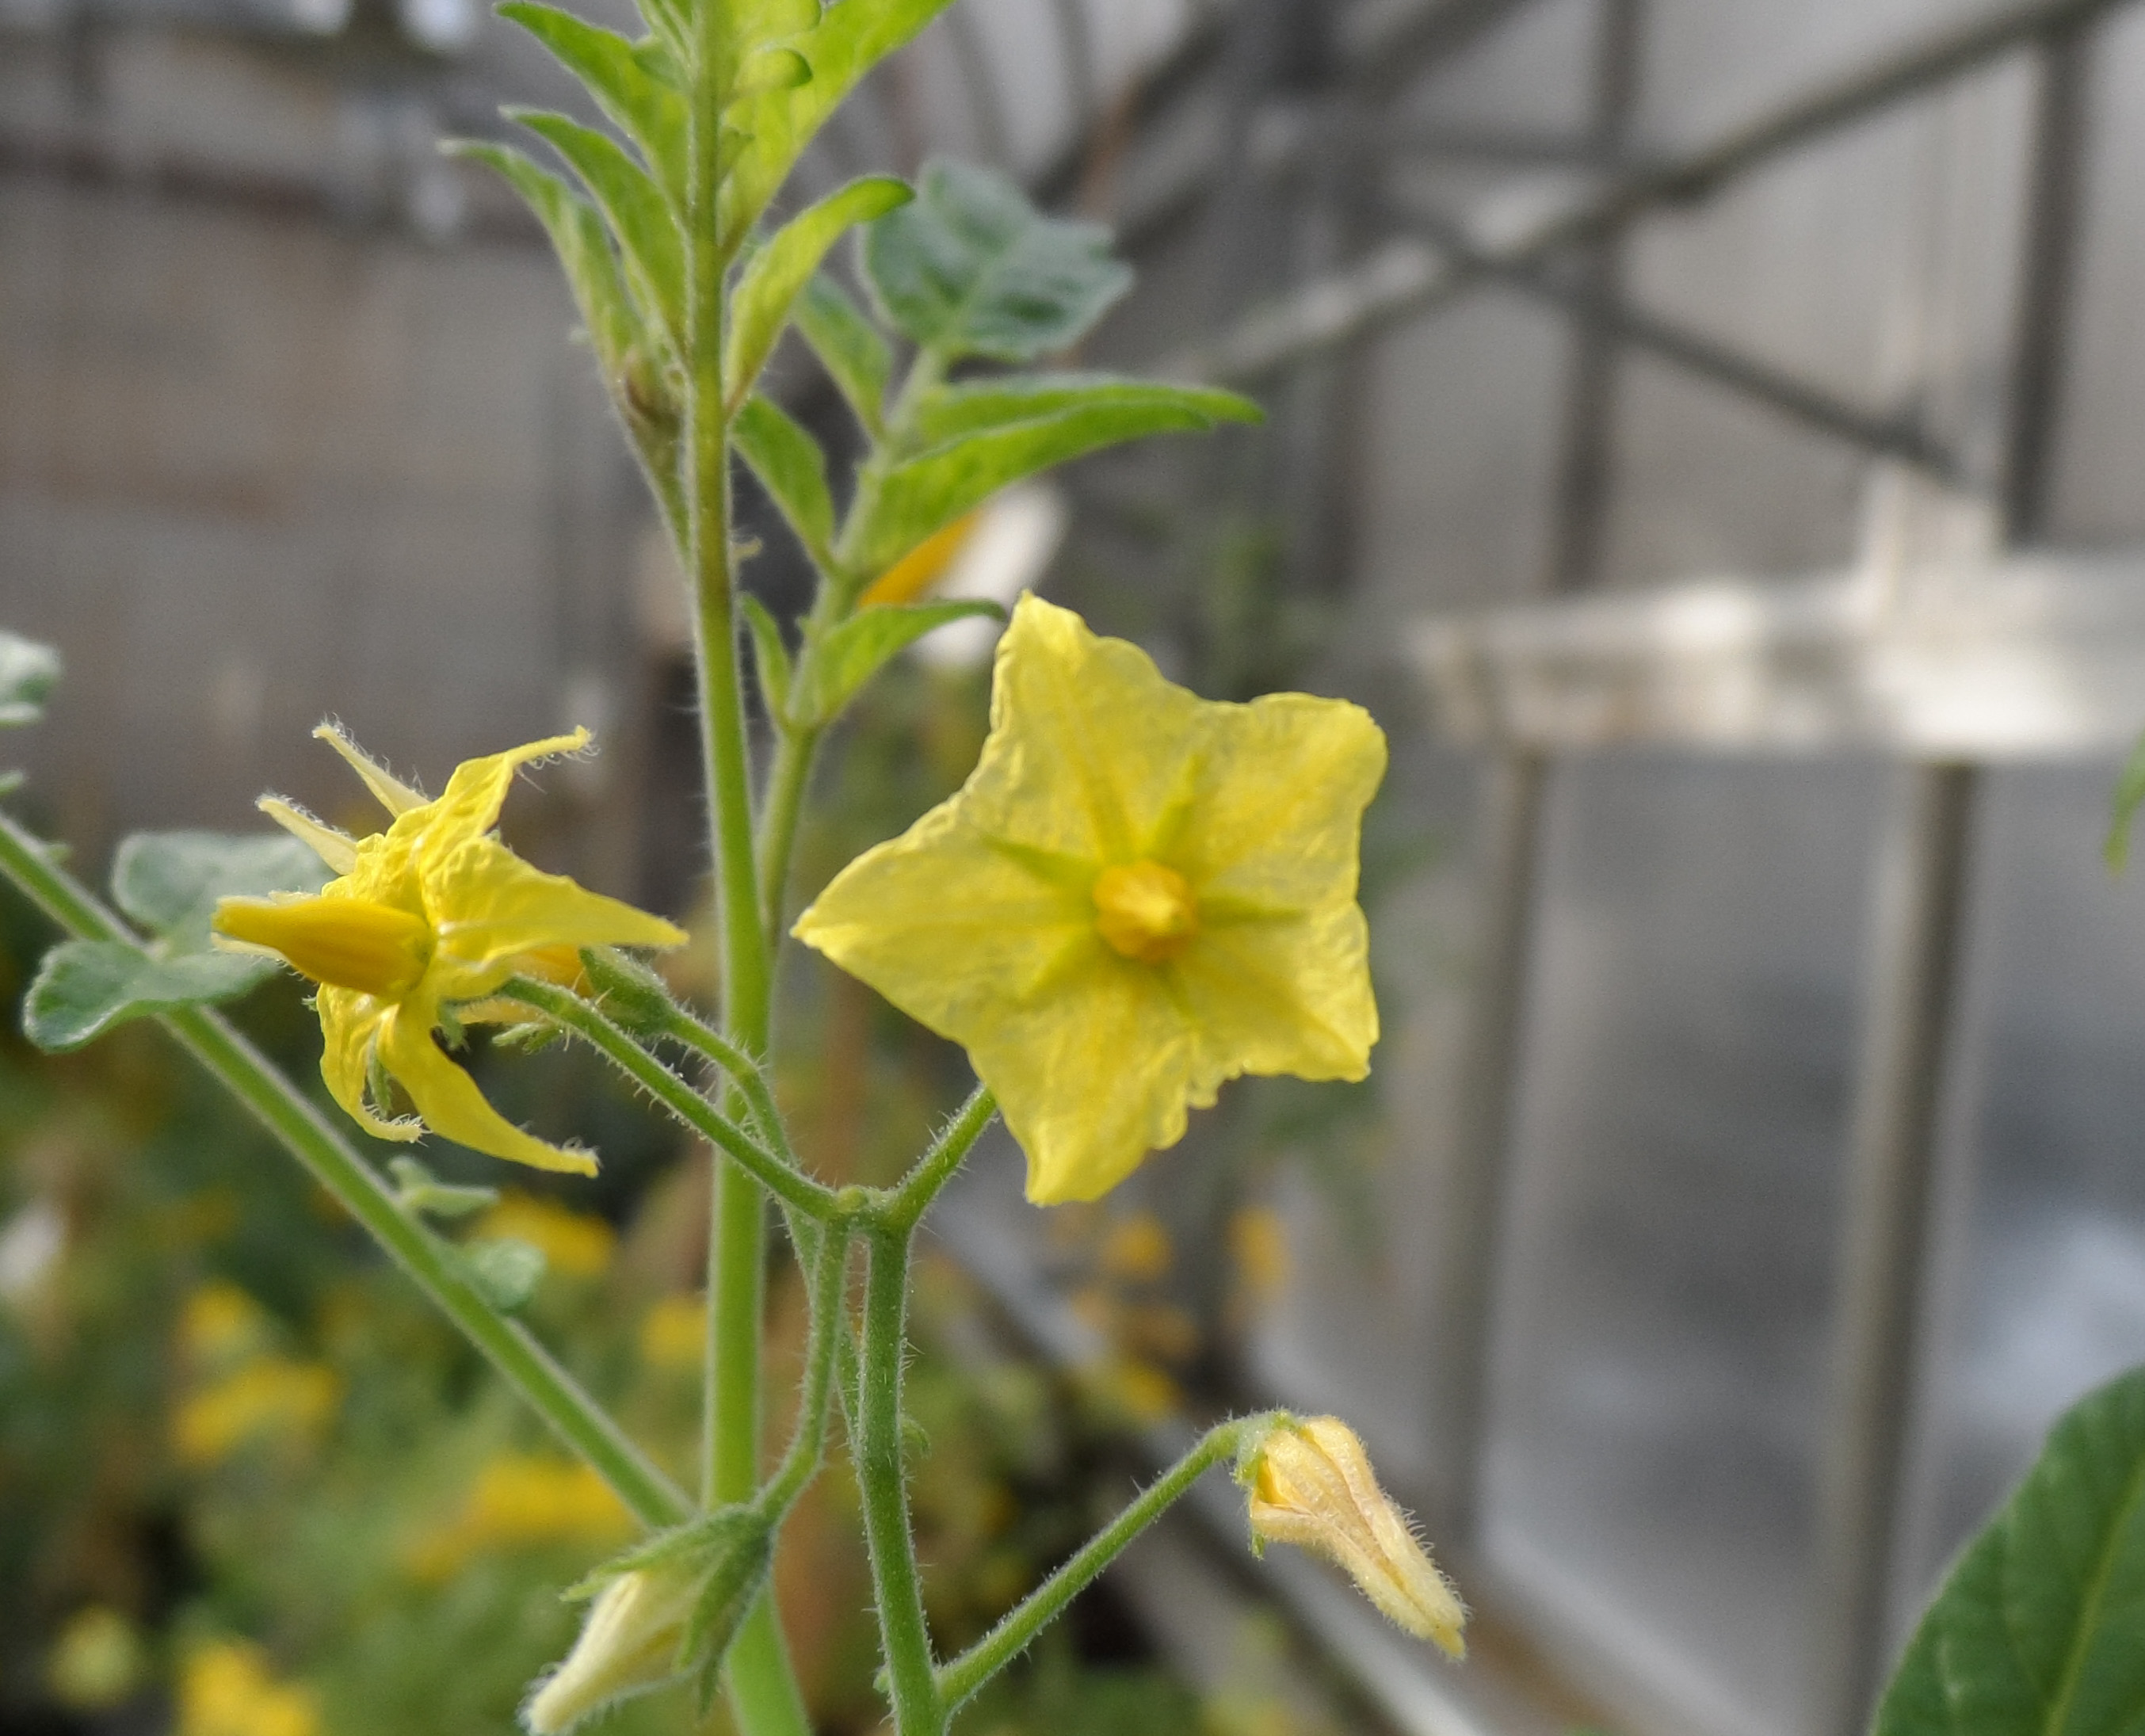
575 1244
265 1400
673 1334
1137 895
520 1501
433 910
227 1689
907 579
219 1323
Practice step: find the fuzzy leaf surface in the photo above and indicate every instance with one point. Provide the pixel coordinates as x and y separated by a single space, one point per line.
858 361
626 82
852 653
793 469
648 232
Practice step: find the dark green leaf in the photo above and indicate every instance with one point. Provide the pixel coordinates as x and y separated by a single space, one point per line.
954 411
850 655
775 126
2036 1630
907 502
2129 796
504 1270
646 107
85 987
780 270
972 269
770 656
27 671
793 469
169 882
848 346
648 232
582 243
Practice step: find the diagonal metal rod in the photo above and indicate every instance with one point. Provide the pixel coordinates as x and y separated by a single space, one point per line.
1406 276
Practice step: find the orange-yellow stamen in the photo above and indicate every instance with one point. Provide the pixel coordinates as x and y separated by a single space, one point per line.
1146 911
348 942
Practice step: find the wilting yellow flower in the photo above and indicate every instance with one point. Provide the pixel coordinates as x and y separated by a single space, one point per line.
577 1244
1136 895
268 1398
431 912
227 1689
1312 1485
520 1501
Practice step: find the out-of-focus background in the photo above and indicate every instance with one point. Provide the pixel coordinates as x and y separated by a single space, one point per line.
1711 434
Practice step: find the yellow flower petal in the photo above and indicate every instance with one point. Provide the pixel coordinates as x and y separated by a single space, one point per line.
395 796
350 1026
452 1106
917 570
337 849
488 904
469 805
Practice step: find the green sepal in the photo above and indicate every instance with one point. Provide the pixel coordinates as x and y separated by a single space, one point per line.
2129 797
505 1271
793 469
972 268
770 657
28 672
902 504
626 81
649 237
778 272
2035 1630
732 1585
630 994
849 347
86 987
852 653
418 1191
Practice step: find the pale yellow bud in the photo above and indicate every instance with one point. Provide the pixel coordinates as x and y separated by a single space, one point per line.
1312 1485
628 1644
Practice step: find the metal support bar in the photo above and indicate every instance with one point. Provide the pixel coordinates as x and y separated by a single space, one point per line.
1401 279
1510 829
1920 910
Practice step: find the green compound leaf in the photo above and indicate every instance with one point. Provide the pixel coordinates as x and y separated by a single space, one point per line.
793 469
849 347
633 87
648 231
168 882
85 987
2129 797
780 271
2035 1631
774 126
582 243
851 654
28 672
904 503
972 269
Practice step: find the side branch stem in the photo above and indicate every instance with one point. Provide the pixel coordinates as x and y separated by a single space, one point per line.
907 1203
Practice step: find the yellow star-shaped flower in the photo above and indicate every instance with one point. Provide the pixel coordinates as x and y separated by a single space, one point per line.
1137 894
433 912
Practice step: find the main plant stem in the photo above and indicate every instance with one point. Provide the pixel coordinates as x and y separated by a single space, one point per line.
763 1688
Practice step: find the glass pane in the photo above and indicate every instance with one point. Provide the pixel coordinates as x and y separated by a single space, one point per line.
2042 1293
1677 1153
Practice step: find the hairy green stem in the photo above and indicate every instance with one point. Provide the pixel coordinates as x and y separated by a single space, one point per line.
681 1026
882 1479
434 1264
907 1203
799 1191
828 1270
960 1679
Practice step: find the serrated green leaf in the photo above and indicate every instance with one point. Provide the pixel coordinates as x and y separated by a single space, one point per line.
972 269
853 652
649 237
649 109
2129 797
86 987
780 271
507 1271
2035 1631
954 411
858 361
900 505
27 672
849 40
793 469
582 243
169 882
771 656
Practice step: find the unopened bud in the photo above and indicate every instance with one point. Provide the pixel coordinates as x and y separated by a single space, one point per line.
628 1644
630 993
1312 1485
